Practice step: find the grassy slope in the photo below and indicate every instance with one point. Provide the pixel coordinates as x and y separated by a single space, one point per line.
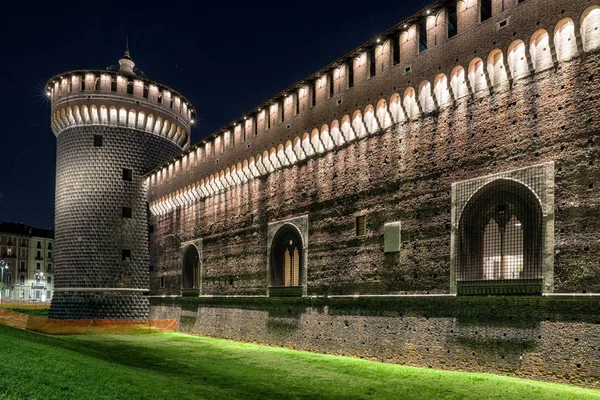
177 366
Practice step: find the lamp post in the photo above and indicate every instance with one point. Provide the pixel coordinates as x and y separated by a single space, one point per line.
3 266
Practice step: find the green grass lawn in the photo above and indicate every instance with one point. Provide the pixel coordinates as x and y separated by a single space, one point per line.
177 366
38 312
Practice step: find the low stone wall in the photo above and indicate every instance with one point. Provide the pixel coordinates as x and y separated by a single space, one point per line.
550 339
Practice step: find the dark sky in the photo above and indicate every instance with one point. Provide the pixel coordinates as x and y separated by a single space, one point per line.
224 58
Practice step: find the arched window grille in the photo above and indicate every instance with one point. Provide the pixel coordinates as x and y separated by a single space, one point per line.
500 241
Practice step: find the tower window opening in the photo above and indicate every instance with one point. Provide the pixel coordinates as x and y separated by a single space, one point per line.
113 85
452 20
126 212
423 35
282 110
82 87
162 282
127 174
145 93
255 125
297 97
313 100
125 254
97 84
372 63
485 9
97 140
395 50
268 117
361 225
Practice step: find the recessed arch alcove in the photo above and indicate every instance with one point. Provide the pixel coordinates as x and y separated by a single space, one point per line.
191 268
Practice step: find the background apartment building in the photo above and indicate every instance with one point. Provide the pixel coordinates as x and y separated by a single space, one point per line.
26 255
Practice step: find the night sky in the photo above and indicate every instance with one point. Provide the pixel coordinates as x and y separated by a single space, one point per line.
225 59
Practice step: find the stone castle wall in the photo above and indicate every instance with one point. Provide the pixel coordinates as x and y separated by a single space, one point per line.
404 173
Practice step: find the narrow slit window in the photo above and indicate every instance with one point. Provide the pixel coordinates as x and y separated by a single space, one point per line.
485 9
395 50
372 63
330 81
97 84
113 85
423 35
162 282
82 88
297 97
282 110
314 94
452 20
125 254
351 74
129 88
255 125
268 117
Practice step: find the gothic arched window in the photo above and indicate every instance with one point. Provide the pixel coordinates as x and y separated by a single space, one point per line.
286 258
500 240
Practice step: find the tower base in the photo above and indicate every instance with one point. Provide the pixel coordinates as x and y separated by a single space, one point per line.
99 305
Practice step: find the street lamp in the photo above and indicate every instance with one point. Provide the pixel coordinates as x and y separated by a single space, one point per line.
3 266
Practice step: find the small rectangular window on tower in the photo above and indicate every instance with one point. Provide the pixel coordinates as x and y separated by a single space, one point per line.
126 212
125 254
485 9
127 174
113 85
361 225
98 140
313 98
297 98
162 281
452 20
423 35
282 110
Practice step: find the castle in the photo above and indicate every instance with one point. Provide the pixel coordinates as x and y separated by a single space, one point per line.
455 154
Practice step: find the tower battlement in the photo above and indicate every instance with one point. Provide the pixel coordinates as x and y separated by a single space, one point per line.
111 128
119 98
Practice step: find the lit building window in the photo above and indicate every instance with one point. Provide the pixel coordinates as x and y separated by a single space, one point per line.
361 225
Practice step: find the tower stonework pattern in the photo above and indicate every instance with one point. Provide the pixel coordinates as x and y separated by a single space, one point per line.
112 127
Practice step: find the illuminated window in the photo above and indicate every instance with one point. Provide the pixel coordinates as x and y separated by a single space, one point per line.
361 225
286 258
9 251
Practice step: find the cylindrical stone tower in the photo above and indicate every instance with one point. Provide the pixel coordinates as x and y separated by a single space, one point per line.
112 127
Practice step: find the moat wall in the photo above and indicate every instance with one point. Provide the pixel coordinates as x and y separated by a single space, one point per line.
550 339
